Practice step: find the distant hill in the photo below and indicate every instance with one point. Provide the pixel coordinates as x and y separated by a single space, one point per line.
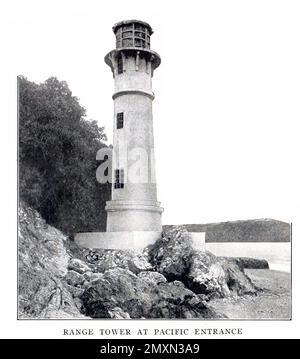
257 230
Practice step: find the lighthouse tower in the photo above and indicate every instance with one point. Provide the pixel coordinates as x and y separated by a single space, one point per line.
133 213
133 206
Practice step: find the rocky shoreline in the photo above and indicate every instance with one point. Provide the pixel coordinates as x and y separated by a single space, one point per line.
273 301
170 279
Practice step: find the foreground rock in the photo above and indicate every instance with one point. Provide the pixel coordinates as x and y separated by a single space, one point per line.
100 260
147 295
120 285
78 266
172 254
43 263
202 272
58 279
134 261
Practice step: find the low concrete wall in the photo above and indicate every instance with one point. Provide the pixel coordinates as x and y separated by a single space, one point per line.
117 240
198 239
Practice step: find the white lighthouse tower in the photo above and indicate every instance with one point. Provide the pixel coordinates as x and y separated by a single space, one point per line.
133 206
133 213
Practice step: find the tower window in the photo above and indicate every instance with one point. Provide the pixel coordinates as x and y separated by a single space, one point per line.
119 178
120 65
120 120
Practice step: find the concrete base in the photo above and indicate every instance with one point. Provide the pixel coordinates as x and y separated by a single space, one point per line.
198 239
117 240
136 216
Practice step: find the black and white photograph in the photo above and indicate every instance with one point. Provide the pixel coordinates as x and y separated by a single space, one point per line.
156 162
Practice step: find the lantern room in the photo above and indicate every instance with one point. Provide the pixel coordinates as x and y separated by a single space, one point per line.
132 33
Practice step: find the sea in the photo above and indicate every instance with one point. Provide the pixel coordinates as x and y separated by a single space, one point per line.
278 254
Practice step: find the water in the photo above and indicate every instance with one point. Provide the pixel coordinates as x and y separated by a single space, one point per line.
278 254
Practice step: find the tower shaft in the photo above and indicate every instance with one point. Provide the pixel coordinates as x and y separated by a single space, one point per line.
133 205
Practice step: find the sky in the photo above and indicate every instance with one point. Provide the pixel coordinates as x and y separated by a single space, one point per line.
226 112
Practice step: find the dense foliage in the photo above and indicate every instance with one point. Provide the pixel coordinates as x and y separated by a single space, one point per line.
57 157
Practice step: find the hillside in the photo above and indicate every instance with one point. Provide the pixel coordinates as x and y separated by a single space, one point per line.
257 230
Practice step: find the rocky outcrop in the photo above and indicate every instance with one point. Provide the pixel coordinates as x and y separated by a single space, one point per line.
236 279
249 263
122 291
207 275
170 279
174 256
43 263
171 255
78 266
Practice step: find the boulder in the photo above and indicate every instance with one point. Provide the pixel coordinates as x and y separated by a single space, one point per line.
75 291
204 273
152 277
142 298
90 276
139 263
73 278
237 281
207 276
174 300
171 255
250 263
118 313
78 266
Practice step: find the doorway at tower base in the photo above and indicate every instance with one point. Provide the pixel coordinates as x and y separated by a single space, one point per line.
117 240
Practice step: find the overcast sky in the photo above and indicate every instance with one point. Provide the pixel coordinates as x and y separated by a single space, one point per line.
226 113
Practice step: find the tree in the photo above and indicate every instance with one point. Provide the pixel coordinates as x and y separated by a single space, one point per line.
57 157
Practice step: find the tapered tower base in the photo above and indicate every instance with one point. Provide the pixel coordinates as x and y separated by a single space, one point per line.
133 216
